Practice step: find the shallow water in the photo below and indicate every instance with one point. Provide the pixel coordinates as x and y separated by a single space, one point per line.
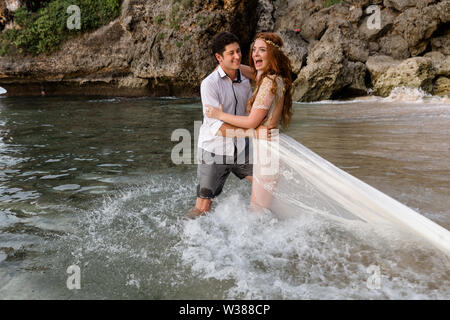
90 182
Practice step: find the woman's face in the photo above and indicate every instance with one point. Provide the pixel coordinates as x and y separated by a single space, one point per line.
260 55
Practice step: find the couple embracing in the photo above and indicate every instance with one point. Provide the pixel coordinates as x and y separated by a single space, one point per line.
304 181
233 114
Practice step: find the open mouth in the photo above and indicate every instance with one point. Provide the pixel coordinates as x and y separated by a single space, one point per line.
258 63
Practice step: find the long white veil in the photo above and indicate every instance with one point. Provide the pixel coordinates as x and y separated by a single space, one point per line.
289 179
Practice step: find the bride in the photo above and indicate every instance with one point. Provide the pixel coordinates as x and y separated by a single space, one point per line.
289 179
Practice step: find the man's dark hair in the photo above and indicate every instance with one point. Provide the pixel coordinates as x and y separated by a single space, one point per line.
220 41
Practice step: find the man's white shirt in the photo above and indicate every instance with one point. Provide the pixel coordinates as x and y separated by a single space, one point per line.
217 89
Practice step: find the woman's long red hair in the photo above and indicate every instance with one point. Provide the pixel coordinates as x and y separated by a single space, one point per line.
279 65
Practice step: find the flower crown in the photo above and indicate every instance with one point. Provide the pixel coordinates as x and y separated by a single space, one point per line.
269 42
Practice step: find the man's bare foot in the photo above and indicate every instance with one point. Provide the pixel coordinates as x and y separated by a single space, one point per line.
194 213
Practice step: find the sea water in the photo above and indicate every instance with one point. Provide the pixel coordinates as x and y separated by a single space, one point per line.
90 182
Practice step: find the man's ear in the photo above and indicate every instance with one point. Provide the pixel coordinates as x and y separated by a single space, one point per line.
219 58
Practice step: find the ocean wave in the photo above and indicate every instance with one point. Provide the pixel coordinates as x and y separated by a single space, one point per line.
136 241
306 257
404 94
399 94
104 100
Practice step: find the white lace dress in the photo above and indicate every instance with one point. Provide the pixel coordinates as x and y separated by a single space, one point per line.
265 153
266 100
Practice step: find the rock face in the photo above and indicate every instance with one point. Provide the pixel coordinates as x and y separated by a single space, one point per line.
156 47
161 47
340 40
334 63
441 86
415 72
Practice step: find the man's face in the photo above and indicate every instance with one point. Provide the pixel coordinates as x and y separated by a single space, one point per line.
231 57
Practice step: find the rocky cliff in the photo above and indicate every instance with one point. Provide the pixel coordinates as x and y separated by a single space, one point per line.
161 47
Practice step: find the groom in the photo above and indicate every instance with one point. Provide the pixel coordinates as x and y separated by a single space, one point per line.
222 150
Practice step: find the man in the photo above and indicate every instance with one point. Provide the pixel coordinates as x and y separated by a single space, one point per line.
221 149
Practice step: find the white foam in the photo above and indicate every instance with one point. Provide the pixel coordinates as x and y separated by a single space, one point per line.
103 100
66 187
414 95
135 240
2 90
399 94
302 257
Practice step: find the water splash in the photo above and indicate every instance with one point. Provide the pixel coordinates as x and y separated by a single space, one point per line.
404 94
399 94
135 244
305 257
127 241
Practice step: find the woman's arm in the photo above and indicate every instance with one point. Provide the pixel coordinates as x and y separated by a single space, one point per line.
261 105
248 72
230 131
246 122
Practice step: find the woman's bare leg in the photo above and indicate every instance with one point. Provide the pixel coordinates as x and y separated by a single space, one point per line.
261 199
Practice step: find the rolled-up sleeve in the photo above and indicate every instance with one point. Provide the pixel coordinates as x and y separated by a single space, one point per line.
209 95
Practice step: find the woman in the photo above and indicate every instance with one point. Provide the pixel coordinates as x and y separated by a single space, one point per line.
270 103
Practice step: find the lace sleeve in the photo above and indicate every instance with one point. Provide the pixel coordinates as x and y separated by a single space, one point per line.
264 96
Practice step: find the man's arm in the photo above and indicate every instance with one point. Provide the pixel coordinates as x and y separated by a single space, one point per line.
209 95
247 72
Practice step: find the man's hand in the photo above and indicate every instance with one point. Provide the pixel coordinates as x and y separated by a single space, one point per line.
266 133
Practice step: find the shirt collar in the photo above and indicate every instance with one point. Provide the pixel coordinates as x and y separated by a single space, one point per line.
223 74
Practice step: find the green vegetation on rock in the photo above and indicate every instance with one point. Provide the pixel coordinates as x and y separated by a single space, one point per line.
329 3
44 30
